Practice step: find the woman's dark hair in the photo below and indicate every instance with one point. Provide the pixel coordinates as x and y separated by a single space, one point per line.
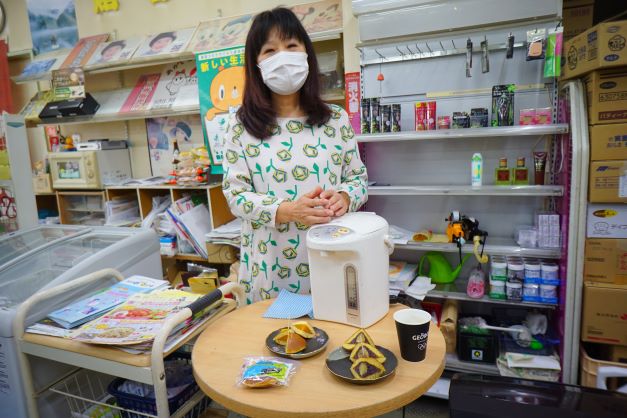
163 35
121 44
256 113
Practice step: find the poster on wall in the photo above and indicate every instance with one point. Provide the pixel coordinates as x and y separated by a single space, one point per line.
162 132
164 43
353 100
322 16
52 24
220 89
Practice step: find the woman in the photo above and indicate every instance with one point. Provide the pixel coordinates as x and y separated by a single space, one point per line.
291 161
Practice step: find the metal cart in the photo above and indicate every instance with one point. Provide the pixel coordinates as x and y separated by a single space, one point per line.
93 361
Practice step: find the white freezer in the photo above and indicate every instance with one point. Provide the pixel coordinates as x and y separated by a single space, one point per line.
57 260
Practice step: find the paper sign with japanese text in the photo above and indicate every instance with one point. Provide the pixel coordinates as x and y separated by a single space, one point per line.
220 89
68 83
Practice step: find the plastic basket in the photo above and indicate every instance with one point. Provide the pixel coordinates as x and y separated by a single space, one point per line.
589 368
147 405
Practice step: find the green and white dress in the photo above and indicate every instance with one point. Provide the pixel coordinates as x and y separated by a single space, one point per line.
260 174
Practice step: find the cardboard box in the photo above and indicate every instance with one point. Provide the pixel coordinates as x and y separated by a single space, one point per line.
604 313
606 93
606 179
222 254
602 46
618 353
608 142
42 183
605 261
607 221
577 19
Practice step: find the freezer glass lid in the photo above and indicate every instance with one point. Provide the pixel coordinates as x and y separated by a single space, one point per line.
23 242
19 281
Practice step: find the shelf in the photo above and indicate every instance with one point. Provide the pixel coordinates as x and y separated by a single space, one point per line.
453 363
457 291
163 187
185 257
481 133
465 190
83 210
152 61
495 246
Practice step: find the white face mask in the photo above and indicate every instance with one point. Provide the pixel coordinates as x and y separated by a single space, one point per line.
285 72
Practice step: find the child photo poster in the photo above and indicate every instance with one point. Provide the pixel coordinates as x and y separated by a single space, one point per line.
162 132
164 43
220 89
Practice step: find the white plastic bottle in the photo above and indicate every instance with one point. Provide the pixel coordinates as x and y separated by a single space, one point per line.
476 170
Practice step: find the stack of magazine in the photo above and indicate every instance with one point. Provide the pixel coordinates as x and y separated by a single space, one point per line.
94 306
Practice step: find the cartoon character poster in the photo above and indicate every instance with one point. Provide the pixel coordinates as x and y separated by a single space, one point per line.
163 132
221 33
220 87
320 16
173 78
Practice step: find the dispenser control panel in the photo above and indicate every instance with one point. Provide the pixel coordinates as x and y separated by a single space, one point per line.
330 232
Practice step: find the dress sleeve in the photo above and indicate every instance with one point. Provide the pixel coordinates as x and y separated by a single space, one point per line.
237 184
354 179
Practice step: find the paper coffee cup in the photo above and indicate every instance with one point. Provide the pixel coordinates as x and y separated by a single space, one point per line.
412 328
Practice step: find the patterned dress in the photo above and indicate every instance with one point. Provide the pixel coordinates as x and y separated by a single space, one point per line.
260 174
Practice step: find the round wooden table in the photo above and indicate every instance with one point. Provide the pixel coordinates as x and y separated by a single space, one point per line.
313 391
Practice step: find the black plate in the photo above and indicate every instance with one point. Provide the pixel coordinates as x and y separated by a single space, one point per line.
339 364
315 345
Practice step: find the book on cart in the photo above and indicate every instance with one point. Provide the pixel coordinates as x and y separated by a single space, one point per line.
89 308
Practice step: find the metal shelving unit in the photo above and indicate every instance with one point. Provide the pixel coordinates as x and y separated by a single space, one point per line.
495 246
466 190
479 133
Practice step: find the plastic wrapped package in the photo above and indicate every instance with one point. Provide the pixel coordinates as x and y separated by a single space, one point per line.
263 372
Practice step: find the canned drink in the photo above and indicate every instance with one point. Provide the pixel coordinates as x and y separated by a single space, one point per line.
396 118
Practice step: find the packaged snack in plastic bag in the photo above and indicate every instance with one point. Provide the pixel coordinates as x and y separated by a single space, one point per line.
263 372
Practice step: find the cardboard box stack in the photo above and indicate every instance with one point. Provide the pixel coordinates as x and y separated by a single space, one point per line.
599 57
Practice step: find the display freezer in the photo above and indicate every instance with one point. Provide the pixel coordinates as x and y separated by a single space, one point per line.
54 261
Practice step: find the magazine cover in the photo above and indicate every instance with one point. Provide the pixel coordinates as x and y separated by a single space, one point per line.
219 71
115 52
320 16
164 43
136 321
174 79
86 309
82 52
68 83
37 67
162 132
141 95
220 33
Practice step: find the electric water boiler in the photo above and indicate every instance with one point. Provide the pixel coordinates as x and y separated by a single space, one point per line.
349 261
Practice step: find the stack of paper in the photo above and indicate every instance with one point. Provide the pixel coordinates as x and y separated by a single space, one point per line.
94 306
229 234
122 212
400 274
192 222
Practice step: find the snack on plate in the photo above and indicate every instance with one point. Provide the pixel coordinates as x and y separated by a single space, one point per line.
360 336
263 372
303 329
294 343
365 350
367 359
367 369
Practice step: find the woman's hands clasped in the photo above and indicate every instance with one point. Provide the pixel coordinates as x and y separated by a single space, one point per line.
316 207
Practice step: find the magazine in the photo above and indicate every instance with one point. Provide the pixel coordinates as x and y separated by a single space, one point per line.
136 321
222 32
82 52
89 308
174 78
141 95
164 43
162 132
115 52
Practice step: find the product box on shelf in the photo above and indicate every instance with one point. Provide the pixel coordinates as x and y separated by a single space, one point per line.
607 221
577 17
606 93
608 182
605 261
604 317
602 46
608 142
